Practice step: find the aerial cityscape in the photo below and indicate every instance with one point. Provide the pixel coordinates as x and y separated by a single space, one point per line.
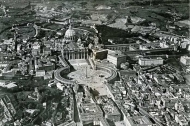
94 63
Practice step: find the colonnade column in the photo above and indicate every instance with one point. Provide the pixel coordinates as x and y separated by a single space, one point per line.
69 54
77 53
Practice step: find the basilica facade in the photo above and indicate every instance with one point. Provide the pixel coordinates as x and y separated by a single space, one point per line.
71 46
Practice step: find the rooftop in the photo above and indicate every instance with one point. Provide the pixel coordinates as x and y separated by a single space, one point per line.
117 55
139 121
70 32
110 108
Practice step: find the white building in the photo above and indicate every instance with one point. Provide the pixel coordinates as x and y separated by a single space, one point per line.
116 58
3 64
60 86
149 62
185 60
164 45
40 73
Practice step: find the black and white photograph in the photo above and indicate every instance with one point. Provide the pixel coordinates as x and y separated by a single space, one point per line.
94 63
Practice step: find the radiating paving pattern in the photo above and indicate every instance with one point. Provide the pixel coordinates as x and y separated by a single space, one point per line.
95 79
84 74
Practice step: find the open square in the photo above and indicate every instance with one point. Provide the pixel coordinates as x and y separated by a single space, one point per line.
84 74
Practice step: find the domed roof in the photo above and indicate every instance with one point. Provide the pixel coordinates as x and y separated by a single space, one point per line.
70 32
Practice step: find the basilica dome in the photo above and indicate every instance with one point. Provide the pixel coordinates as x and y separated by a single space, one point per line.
70 34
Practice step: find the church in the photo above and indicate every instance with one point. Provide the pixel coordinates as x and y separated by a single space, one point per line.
70 35
71 46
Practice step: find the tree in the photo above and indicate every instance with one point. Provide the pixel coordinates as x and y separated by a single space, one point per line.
83 4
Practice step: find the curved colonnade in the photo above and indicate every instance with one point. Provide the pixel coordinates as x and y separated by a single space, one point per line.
111 71
66 69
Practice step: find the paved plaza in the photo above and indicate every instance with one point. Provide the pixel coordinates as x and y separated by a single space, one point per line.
84 74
